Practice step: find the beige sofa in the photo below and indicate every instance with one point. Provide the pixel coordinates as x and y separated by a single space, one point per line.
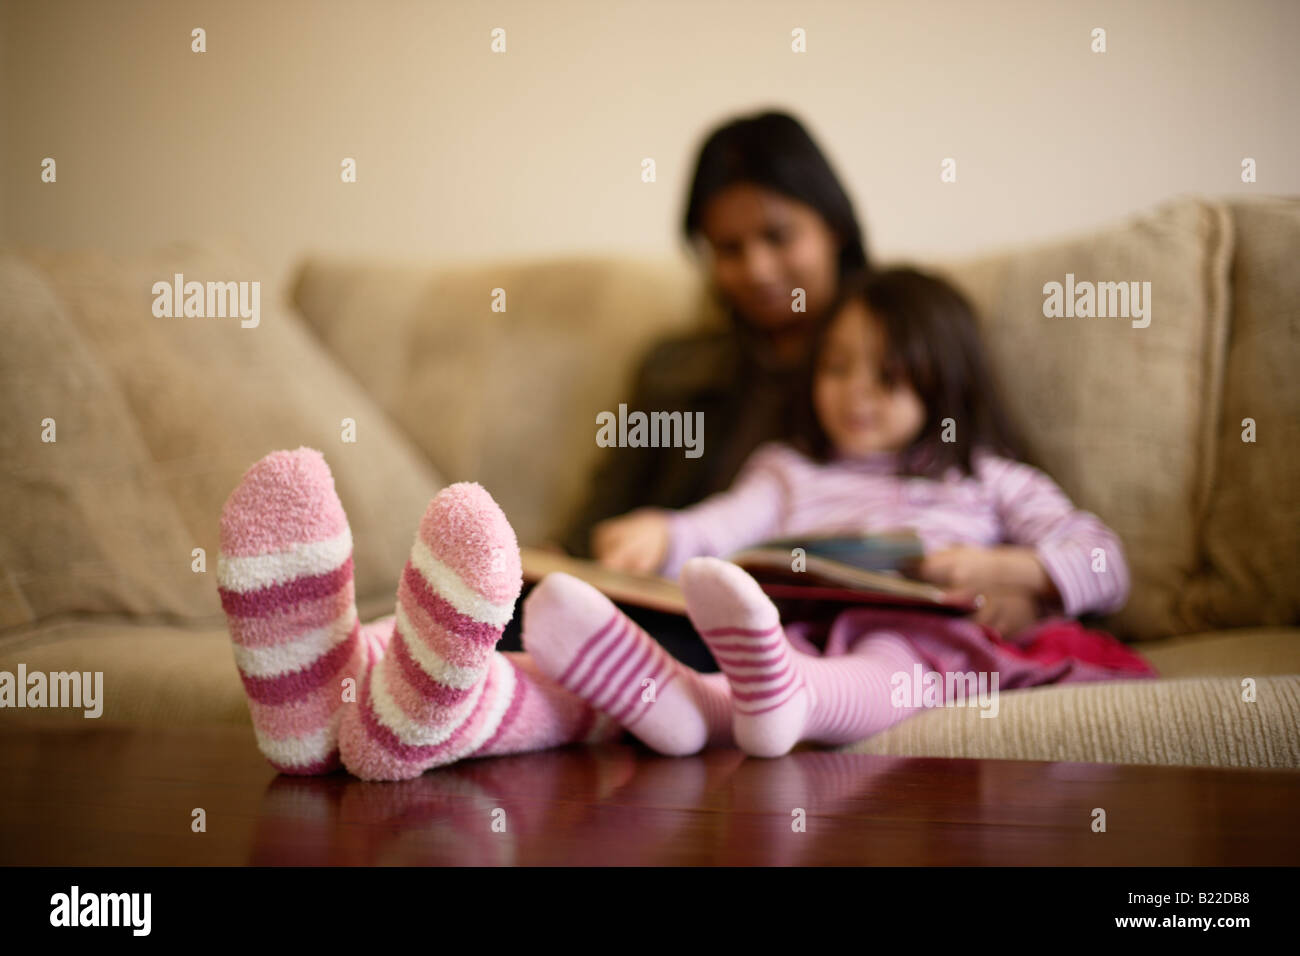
108 534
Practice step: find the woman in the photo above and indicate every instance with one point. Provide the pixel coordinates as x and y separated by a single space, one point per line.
766 215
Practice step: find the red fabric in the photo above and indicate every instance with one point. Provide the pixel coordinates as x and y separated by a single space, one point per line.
1058 638
1054 651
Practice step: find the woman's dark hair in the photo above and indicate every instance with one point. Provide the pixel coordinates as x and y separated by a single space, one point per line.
773 150
932 342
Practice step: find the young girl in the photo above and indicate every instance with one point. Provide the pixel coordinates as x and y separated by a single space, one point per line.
899 409
902 429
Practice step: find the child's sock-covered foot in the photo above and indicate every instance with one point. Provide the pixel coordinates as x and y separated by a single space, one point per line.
285 578
578 637
542 714
441 691
770 699
781 696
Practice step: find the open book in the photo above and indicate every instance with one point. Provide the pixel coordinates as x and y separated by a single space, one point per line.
831 571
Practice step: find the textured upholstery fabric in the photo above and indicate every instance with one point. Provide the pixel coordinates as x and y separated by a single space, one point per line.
1251 569
85 522
158 420
508 399
1200 721
1121 417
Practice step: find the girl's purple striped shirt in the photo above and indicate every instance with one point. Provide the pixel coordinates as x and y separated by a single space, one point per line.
781 493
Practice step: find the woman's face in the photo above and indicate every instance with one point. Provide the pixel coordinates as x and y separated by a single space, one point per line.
762 247
859 410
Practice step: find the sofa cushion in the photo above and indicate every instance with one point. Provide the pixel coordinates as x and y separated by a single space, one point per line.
1237 652
1122 417
207 398
506 398
1251 573
1193 721
85 523
154 674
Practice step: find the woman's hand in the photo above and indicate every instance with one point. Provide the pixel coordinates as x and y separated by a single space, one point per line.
635 542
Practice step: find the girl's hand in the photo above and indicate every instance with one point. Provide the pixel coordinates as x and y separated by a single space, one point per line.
635 542
963 568
980 569
1008 610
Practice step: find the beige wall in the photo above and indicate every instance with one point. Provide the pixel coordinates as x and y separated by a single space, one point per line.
464 154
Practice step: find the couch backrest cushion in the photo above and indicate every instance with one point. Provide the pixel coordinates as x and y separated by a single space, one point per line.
164 417
1122 417
85 523
506 398
1251 573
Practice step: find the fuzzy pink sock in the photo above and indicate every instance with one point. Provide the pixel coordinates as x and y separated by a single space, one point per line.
593 649
430 686
781 696
442 692
285 578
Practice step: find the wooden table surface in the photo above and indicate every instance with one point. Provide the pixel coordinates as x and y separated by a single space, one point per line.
112 795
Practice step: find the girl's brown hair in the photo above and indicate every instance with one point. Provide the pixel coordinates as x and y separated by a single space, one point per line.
932 342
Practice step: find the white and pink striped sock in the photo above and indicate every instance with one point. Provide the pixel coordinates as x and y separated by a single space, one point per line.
593 649
284 575
441 691
781 696
431 687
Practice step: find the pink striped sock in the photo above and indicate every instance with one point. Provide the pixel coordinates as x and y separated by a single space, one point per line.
542 715
781 696
441 691
545 715
593 649
284 574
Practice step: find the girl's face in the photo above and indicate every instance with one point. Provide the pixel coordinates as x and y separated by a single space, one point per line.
761 247
860 411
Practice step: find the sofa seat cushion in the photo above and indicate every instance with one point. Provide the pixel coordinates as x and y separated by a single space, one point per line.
1238 653
1193 721
154 674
